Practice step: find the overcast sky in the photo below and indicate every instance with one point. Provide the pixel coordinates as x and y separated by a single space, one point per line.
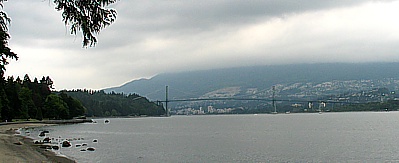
152 37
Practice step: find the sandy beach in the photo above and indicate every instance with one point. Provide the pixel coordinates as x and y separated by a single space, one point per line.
14 148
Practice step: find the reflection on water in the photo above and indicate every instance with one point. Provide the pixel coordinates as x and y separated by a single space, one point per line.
333 137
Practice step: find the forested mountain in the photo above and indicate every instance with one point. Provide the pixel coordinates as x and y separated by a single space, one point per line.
254 79
101 104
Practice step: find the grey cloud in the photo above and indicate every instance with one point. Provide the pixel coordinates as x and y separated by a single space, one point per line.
29 19
161 15
192 35
141 19
138 20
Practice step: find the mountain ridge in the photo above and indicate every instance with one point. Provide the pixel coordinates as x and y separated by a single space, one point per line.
194 84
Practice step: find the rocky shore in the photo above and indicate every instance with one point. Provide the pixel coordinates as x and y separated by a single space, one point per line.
16 148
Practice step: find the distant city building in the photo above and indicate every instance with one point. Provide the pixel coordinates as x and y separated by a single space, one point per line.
210 109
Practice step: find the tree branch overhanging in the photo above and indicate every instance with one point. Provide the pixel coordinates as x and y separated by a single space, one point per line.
5 51
88 16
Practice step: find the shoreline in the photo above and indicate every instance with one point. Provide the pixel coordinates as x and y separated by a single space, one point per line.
72 121
17 148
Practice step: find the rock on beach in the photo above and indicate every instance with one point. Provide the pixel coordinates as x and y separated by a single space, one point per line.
15 148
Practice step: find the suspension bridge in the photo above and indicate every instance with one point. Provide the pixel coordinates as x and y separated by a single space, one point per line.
273 100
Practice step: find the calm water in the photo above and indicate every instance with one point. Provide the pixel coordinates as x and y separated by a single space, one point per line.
327 137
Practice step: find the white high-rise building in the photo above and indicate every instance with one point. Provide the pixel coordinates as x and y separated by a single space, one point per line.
210 109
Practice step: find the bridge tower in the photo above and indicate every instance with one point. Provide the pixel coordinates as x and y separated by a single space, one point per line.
166 102
274 100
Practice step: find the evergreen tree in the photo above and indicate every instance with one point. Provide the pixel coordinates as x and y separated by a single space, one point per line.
39 114
28 108
4 106
12 90
5 51
74 106
55 108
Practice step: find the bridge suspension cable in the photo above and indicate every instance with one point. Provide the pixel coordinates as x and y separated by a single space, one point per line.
273 100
